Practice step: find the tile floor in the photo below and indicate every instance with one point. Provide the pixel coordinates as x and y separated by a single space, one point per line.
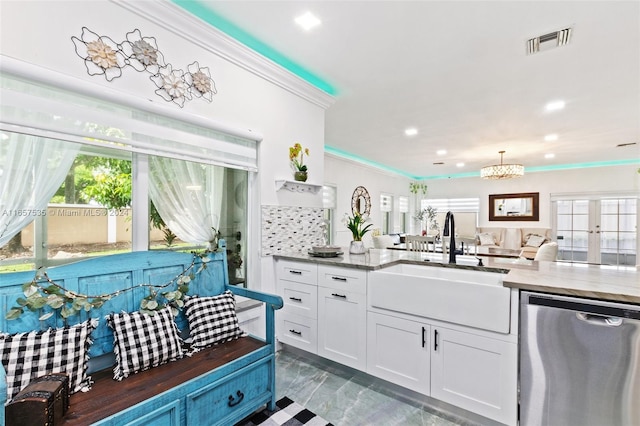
345 396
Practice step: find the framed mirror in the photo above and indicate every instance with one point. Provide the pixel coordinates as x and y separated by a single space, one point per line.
515 207
361 202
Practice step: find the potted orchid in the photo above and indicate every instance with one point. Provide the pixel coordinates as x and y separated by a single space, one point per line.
296 155
356 224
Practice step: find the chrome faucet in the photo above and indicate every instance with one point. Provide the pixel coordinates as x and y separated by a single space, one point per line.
450 231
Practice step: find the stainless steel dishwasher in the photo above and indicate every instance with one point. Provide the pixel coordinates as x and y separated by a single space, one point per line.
579 361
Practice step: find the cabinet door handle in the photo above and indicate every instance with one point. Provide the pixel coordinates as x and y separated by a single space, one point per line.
339 278
291 271
233 401
435 340
297 299
299 333
344 296
424 341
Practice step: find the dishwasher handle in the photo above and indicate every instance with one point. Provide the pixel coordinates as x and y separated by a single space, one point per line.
599 319
602 309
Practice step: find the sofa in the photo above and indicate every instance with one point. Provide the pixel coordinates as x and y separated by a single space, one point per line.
527 240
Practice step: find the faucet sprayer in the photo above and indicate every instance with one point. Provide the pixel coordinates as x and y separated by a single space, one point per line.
449 231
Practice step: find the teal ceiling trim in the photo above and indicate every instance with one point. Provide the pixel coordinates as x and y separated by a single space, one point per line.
209 16
583 165
357 159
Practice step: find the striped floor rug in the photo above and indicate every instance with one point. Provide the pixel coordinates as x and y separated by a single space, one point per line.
287 413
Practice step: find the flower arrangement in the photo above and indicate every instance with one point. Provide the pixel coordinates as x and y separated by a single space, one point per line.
355 225
296 151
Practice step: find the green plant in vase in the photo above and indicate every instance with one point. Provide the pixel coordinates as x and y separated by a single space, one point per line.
356 225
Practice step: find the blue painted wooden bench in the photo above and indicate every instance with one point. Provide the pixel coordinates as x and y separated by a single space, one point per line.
219 385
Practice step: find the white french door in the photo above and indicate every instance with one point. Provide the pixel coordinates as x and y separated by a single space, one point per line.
601 230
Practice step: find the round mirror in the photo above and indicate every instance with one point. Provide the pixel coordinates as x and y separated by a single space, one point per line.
361 202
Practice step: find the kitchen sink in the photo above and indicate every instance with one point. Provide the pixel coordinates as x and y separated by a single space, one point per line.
473 298
449 272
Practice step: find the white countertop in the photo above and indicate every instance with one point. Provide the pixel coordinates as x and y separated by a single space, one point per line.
616 283
595 281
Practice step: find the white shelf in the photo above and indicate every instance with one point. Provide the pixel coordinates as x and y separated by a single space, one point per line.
295 186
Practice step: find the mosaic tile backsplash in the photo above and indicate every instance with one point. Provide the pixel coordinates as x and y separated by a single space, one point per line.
287 228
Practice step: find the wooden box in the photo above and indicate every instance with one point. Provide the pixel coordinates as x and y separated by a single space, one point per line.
44 401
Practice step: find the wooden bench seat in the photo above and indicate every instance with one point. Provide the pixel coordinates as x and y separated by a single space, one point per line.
108 396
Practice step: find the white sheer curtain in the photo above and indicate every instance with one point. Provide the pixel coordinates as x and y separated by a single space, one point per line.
188 197
31 171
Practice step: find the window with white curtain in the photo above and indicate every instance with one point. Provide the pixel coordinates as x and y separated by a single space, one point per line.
329 202
194 173
465 210
386 210
403 209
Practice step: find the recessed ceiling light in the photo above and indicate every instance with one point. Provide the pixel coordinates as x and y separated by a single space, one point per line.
411 131
441 152
554 106
550 138
549 155
459 164
308 21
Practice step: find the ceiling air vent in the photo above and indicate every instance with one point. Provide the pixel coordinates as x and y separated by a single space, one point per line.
548 41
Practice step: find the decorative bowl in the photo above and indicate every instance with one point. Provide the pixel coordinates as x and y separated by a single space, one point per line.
325 249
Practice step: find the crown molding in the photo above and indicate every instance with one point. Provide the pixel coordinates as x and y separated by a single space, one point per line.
193 30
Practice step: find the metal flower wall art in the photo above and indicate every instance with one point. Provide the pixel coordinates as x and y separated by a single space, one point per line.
103 56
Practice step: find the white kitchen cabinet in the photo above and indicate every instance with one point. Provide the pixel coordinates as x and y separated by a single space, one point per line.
474 372
398 350
298 331
342 315
297 321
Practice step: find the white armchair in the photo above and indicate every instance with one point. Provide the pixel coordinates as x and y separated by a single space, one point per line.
548 252
382 241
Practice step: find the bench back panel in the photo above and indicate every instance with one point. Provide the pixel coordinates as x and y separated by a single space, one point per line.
109 274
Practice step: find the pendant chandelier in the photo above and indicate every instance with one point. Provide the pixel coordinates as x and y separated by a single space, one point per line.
502 171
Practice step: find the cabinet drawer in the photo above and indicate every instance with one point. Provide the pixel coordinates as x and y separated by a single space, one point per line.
299 299
219 402
298 331
300 272
345 279
168 415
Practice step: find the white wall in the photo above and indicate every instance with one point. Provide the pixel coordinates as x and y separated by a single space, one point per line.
590 180
346 175
39 32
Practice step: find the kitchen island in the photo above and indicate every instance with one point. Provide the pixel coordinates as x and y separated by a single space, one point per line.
616 283
446 331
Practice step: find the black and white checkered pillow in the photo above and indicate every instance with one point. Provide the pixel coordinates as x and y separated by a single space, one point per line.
212 320
142 341
26 356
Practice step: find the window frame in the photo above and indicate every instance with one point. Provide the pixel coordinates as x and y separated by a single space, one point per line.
29 74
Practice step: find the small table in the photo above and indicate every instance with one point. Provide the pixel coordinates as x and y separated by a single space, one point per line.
497 252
